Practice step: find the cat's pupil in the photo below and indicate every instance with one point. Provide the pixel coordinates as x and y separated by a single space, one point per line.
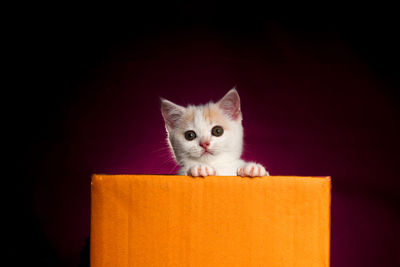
190 135
217 131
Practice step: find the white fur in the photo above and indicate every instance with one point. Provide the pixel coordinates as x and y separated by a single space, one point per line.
226 149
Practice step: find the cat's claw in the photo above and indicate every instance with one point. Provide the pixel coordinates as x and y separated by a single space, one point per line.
201 170
252 170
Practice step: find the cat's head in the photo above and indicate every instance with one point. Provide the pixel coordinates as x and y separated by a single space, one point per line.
207 132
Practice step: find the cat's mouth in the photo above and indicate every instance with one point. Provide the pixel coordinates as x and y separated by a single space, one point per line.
206 152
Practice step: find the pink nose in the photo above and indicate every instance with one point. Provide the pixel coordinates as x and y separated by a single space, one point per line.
205 144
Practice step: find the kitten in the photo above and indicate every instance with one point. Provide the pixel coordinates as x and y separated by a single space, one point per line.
208 139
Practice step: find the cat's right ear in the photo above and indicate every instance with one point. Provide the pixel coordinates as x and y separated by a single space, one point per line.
172 113
230 104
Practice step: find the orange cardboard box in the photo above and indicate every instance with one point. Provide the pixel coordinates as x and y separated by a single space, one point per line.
164 220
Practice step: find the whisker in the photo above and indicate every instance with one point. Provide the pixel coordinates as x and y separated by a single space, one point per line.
173 169
161 149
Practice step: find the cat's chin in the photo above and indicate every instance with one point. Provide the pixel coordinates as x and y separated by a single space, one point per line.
204 156
207 156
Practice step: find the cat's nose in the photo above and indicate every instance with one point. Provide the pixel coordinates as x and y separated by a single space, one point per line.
204 144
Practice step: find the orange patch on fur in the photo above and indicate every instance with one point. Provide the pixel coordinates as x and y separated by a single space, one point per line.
213 115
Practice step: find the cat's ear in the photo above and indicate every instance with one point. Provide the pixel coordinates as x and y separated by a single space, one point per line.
230 105
172 113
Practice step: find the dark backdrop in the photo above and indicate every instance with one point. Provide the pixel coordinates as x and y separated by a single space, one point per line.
319 88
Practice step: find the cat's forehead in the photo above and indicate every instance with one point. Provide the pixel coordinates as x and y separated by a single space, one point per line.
208 114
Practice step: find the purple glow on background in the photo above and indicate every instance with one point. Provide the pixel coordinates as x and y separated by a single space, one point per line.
312 109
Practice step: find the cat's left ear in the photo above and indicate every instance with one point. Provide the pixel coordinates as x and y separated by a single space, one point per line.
172 113
230 105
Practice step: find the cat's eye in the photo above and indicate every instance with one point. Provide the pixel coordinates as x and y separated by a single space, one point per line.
190 135
217 131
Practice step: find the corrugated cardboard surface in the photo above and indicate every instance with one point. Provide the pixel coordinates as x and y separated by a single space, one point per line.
161 220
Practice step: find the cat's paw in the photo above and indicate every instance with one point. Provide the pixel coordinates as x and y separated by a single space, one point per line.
201 170
252 169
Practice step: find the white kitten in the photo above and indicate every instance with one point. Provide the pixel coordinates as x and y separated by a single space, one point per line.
208 139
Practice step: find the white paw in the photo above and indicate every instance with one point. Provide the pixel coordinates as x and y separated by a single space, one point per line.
201 170
252 169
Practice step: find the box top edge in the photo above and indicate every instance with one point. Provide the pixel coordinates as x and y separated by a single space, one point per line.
99 176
